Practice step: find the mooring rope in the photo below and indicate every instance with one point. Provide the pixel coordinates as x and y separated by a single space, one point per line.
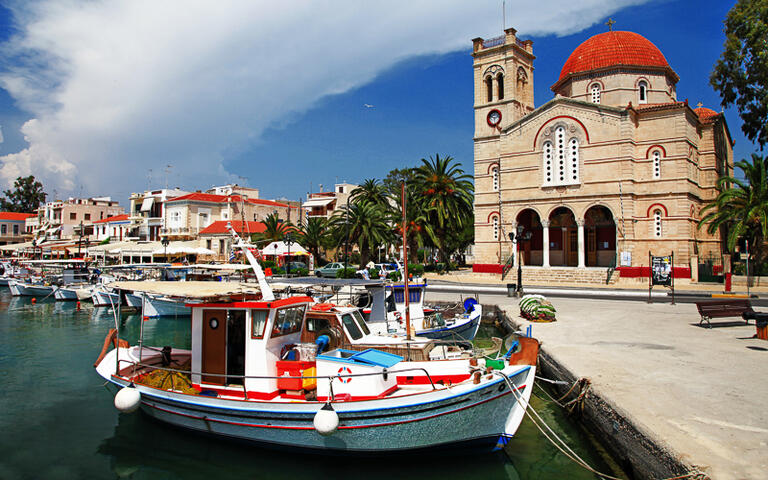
554 439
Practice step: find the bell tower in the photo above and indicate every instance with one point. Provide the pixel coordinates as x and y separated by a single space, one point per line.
503 74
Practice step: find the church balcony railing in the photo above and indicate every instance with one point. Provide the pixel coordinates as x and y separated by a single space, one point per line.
494 42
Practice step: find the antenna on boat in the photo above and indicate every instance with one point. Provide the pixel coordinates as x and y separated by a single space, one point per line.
405 274
266 290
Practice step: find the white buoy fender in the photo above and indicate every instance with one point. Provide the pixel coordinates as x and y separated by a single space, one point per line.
128 399
326 420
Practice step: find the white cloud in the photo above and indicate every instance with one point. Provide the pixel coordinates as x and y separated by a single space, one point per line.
118 87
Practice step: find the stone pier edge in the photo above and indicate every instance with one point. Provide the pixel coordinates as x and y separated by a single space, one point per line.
637 451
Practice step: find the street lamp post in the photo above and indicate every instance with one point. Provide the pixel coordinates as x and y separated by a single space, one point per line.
346 243
288 239
519 237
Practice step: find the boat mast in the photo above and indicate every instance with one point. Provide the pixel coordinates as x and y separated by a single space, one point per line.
405 274
266 290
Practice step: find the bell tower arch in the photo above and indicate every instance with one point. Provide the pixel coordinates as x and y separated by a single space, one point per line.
503 78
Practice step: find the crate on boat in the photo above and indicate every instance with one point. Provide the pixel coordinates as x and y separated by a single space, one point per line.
294 370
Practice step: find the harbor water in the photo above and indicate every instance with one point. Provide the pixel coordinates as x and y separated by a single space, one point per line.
57 420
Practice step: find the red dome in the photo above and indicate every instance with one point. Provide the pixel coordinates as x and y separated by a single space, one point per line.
613 48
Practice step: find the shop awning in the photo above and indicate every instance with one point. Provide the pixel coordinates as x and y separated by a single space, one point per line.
317 202
146 205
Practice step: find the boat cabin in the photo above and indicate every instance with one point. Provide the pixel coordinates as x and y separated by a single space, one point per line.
243 348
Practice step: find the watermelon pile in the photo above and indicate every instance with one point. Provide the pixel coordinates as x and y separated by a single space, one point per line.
536 308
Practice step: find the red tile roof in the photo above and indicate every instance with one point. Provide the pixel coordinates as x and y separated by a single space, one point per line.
610 49
220 226
116 218
15 216
706 114
211 198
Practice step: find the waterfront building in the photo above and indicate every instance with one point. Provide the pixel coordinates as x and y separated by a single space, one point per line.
115 228
58 220
187 215
324 204
147 212
218 238
13 228
612 167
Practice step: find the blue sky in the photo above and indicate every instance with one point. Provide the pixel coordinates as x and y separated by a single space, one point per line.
301 121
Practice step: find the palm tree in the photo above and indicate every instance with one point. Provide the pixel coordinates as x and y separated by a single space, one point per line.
275 229
371 191
741 209
314 235
447 194
364 224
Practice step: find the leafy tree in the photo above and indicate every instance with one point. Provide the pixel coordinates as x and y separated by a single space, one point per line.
395 178
741 210
447 193
741 74
26 196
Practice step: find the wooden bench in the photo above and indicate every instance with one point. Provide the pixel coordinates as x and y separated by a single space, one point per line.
726 307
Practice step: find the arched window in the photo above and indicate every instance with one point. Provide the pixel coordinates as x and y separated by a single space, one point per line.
500 83
560 160
643 91
495 175
548 164
657 223
489 88
595 93
656 158
495 224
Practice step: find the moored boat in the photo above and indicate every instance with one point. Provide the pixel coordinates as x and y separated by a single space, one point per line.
102 297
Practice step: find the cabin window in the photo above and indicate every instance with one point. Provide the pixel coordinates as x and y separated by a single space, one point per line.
288 320
258 322
318 324
351 326
361 322
414 295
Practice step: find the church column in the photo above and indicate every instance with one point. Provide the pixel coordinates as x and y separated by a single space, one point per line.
545 252
580 224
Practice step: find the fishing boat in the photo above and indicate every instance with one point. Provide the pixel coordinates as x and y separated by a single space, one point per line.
134 300
234 383
105 297
265 370
27 289
165 306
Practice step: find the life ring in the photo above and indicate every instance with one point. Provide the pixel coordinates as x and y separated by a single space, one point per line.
345 371
322 307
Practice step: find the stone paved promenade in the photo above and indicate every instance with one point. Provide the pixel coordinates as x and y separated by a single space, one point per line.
702 392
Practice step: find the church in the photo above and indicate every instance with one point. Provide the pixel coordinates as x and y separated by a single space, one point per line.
610 169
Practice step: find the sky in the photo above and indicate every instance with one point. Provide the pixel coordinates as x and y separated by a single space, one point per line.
105 97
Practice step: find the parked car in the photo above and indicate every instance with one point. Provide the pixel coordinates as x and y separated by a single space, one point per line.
295 266
329 270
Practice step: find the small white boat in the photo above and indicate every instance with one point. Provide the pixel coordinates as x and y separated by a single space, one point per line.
134 300
22 289
104 298
66 294
163 306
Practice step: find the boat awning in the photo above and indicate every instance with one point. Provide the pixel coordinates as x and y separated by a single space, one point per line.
281 248
317 202
146 205
193 289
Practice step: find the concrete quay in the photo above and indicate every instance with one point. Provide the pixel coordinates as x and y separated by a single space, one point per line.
697 394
